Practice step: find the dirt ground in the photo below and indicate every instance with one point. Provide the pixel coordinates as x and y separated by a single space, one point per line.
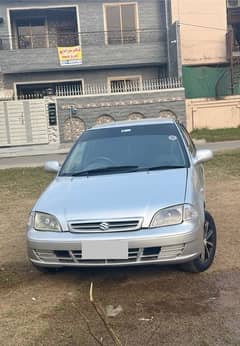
161 305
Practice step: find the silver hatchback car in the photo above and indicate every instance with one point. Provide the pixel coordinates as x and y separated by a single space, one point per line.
128 193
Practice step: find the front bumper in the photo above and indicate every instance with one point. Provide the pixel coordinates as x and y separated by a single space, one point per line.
174 244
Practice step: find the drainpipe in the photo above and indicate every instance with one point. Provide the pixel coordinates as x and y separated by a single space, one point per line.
179 53
231 64
168 43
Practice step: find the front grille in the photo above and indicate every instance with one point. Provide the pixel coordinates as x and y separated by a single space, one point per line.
75 256
105 226
135 255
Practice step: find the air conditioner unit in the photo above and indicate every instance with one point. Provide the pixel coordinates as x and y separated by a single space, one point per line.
233 3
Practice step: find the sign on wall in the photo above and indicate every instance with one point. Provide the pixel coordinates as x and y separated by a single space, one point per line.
70 55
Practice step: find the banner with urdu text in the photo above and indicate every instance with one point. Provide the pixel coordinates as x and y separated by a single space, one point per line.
70 55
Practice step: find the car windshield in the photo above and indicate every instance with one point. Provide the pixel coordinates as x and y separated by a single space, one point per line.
126 149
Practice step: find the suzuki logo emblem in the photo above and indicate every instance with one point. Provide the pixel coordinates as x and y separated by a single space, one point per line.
104 226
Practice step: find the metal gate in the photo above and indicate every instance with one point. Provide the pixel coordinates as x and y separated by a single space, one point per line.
23 122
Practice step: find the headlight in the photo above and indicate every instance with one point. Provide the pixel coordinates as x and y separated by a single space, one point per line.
168 216
46 222
173 215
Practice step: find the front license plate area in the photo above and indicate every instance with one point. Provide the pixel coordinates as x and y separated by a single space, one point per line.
104 249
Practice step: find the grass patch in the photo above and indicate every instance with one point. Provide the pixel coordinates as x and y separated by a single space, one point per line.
218 135
225 163
30 181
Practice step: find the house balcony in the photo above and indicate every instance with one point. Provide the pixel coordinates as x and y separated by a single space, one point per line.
233 36
117 88
229 82
39 53
233 47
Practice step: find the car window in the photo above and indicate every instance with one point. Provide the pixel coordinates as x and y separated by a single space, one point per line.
141 146
188 140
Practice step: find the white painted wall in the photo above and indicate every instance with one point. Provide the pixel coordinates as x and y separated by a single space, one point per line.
203 26
213 114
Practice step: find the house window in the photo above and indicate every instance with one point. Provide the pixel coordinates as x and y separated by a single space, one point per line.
44 28
31 33
41 89
125 84
121 23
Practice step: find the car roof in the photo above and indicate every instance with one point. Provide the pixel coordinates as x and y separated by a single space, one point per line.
149 121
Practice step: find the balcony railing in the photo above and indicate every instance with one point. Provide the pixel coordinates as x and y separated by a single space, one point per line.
98 38
144 86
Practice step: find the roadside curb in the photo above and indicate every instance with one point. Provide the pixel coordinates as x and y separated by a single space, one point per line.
199 141
32 151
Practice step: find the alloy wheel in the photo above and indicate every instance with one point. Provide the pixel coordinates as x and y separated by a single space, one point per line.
208 242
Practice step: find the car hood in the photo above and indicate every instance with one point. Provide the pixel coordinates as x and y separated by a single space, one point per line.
105 197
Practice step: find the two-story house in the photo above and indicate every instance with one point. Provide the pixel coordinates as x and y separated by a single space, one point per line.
77 63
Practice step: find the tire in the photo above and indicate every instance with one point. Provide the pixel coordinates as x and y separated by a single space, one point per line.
46 270
205 260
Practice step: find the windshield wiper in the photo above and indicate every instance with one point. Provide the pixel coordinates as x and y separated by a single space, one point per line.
110 169
158 168
118 169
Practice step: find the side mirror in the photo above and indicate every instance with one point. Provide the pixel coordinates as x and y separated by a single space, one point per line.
52 166
202 156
